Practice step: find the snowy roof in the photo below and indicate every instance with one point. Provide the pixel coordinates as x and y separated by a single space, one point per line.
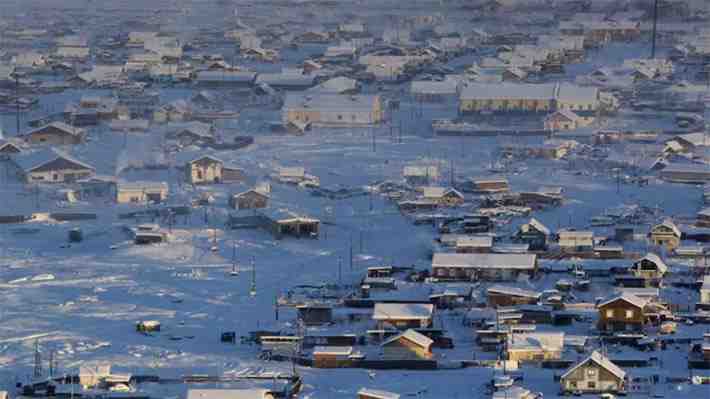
292 171
74 131
330 102
600 360
669 225
504 91
434 87
31 161
569 114
537 225
333 350
627 297
475 241
339 84
226 76
514 392
554 341
247 393
285 79
567 234
403 311
413 337
377 394
142 186
485 261
513 291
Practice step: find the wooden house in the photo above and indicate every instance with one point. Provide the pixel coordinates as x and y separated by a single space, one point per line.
284 223
367 393
141 192
205 169
328 357
409 345
56 133
491 267
51 166
628 313
576 241
666 235
250 199
403 316
595 374
499 295
535 346
535 234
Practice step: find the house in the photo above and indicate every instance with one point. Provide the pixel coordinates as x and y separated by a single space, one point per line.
535 346
507 97
499 296
205 169
337 85
176 111
8 148
582 100
420 175
250 199
243 393
650 267
628 313
295 175
51 166
595 374
452 296
535 234
281 222
330 357
56 133
324 109
473 244
691 173
409 345
666 235
472 267
442 195
367 393
141 192
576 241
190 133
402 316
562 119
433 91
315 314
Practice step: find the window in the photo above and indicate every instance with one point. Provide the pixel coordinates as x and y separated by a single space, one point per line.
610 313
199 174
592 385
340 117
591 372
573 384
629 314
55 176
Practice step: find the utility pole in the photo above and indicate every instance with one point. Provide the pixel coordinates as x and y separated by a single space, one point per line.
655 22
340 271
252 291
351 251
17 104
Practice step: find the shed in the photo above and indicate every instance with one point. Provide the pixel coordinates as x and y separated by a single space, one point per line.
409 345
403 315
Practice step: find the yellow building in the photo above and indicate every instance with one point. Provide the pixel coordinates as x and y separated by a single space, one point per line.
332 109
536 346
666 235
204 170
141 192
506 97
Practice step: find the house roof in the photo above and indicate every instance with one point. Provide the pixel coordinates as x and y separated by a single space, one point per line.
251 191
333 350
31 161
377 393
330 102
205 156
505 91
226 76
537 225
485 261
513 291
514 392
292 171
403 311
576 234
569 93
474 241
74 131
338 84
570 115
285 79
553 341
626 297
413 337
602 362
433 87
246 393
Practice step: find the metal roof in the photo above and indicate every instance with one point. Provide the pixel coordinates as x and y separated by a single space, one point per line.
600 360
403 311
30 161
507 91
485 261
